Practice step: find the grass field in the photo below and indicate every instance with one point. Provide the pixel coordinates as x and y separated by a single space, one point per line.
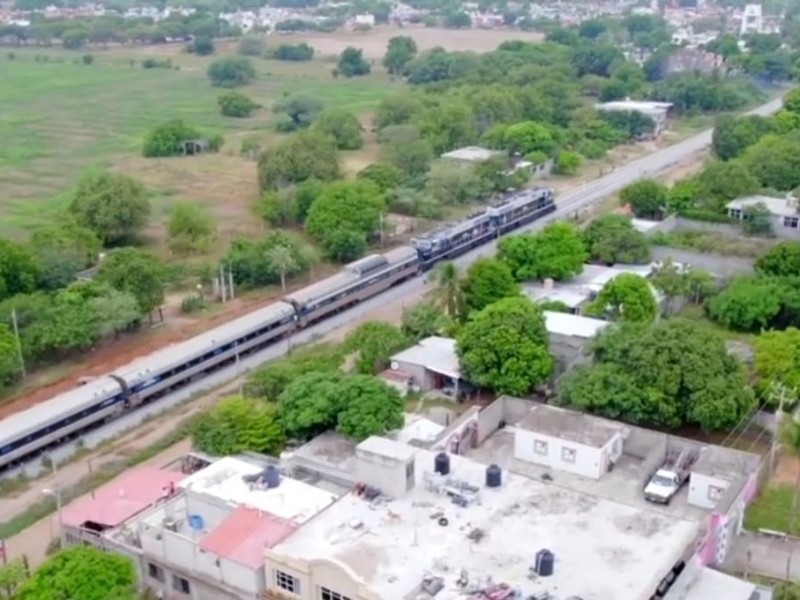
59 118
772 510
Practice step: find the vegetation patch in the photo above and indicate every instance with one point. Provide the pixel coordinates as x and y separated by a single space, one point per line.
712 243
772 510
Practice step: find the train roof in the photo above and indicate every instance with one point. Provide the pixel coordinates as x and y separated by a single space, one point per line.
322 288
401 254
143 367
57 408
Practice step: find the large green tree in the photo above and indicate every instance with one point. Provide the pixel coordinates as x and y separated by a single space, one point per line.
10 367
424 320
62 250
504 347
311 403
647 198
115 207
81 572
136 272
231 72
627 297
369 407
557 252
488 280
666 374
270 380
612 239
352 63
399 52
747 304
782 260
302 156
237 424
777 359
190 229
375 342
343 126
19 270
733 135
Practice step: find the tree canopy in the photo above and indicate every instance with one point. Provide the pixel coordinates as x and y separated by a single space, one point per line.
612 239
136 272
231 72
114 207
375 342
302 156
627 297
666 374
19 270
81 572
190 229
647 198
237 424
777 358
342 126
352 63
504 347
369 407
557 252
488 280
782 260
311 403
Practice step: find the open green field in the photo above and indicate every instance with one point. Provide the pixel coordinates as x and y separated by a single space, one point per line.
772 510
60 117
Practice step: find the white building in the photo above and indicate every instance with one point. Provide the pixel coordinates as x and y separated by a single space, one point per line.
658 111
568 441
752 20
785 219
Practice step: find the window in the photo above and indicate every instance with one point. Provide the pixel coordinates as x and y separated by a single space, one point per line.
410 469
568 455
540 447
736 213
181 585
791 222
326 594
155 572
715 492
287 582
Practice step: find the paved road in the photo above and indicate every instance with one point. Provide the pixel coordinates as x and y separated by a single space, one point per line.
568 203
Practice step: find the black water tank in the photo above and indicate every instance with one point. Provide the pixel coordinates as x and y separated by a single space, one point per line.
441 464
494 476
544 563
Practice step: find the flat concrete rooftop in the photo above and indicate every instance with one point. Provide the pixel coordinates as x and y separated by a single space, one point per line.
604 550
570 425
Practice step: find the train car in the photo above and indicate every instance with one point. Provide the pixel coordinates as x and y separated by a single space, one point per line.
30 431
521 208
355 283
180 363
454 240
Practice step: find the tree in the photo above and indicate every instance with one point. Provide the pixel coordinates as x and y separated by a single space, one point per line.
671 279
774 161
237 424
384 175
80 572
612 239
63 249
733 135
115 207
446 291
786 590
556 252
721 182
301 110
487 281
666 374
790 436
782 260
700 285
167 139
403 147
342 126
346 205
504 347
236 104
423 320
627 297
9 356
310 404
12 575
398 108
375 342
136 272
270 380
370 407
777 358
300 157
202 46
452 184
190 228
293 52
282 260
352 63
252 45
231 72
647 198
18 269
567 163
344 245
527 137
399 52
747 304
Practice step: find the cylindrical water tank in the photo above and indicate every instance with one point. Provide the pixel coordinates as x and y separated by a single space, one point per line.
544 563
196 522
272 476
441 464
494 476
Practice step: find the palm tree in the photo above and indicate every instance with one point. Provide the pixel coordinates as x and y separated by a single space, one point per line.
790 436
282 259
447 291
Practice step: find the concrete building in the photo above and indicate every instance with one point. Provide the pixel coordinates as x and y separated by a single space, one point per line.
432 364
752 20
785 219
568 441
388 520
658 111
471 155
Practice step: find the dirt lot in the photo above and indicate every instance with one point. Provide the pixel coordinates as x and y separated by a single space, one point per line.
374 41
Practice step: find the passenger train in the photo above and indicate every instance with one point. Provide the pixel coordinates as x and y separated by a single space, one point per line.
48 424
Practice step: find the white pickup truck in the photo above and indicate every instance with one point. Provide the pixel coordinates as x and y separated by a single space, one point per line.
668 480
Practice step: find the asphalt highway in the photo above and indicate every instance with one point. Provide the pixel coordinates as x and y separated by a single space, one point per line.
568 204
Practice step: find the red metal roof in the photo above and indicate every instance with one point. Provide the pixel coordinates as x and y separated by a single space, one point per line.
120 499
243 536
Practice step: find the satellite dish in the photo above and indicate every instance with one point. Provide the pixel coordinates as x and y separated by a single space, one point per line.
395 366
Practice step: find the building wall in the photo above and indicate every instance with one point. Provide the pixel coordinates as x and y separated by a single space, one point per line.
393 477
422 378
705 491
160 577
462 435
556 453
312 576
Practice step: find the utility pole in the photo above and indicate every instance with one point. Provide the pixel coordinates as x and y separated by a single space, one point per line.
222 283
230 283
779 391
380 226
19 342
